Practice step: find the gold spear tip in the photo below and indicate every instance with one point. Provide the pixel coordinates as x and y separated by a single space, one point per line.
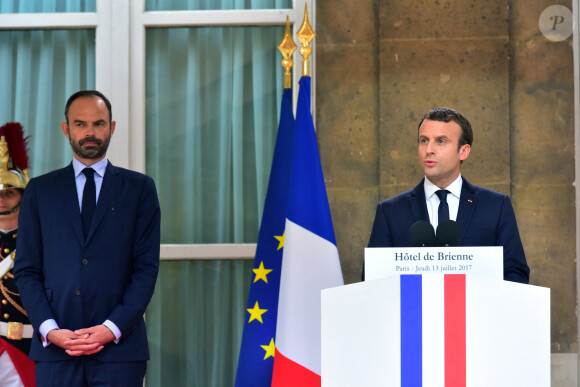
287 46
305 32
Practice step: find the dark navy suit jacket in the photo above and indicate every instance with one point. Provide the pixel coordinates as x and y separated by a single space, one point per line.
82 283
486 218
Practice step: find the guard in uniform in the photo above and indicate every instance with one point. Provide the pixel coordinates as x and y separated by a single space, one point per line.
15 328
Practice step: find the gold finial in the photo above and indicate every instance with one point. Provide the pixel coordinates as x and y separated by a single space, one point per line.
305 34
287 48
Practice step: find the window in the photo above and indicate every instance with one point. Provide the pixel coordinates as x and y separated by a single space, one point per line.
39 69
213 84
195 88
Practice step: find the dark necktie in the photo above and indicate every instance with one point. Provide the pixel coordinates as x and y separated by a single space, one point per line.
443 211
89 200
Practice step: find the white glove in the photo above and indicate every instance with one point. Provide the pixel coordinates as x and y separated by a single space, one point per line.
6 265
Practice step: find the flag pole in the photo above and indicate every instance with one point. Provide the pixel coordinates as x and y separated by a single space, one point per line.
305 34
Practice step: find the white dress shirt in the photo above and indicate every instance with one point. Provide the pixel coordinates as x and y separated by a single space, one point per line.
433 200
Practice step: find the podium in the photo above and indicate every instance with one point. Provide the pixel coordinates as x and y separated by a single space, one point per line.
436 330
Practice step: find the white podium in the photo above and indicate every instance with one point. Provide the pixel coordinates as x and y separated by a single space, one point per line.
436 330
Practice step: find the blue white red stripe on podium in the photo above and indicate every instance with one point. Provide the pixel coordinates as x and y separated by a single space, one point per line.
420 320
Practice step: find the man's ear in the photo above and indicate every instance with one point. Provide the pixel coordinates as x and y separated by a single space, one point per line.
464 151
64 127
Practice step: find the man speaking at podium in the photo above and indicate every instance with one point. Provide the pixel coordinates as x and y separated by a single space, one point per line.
485 217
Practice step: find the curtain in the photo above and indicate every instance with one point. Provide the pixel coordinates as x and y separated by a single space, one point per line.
192 5
34 6
195 322
212 106
39 70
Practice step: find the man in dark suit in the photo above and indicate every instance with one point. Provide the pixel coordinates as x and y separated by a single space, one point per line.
486 218
88 258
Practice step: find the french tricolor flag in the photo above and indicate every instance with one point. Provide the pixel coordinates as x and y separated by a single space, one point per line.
436 330
309 262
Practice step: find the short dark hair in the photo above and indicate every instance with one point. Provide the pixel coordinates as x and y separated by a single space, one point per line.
443 114
84 93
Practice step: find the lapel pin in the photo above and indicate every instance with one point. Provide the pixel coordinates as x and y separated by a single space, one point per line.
470 201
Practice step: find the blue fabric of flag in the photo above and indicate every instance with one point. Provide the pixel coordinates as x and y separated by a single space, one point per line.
411 330
253 368
308 203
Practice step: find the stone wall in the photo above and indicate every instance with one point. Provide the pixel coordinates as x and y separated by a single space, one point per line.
382 64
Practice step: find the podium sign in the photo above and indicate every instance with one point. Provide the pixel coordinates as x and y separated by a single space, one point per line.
383 262
436 330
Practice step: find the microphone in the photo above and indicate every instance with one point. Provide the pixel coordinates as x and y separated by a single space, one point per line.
448 234
422 234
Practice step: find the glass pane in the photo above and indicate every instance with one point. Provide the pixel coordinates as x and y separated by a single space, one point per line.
195 322
47 6
212 102
192 5
39 70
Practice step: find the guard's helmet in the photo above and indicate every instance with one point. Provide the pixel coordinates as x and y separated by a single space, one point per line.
13 158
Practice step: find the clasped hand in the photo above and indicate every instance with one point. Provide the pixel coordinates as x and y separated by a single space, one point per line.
86 341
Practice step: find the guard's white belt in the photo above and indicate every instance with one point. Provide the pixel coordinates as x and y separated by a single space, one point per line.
27 330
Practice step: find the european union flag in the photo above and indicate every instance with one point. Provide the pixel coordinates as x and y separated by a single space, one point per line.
257 351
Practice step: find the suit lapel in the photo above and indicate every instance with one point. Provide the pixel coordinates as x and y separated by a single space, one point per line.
417 203
108 192
68 188
467 203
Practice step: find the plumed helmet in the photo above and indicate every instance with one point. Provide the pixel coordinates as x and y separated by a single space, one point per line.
13 157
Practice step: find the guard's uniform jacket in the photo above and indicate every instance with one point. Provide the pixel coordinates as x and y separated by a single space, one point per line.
10 305
12 314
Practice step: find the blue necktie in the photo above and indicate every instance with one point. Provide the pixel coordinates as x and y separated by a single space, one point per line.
443 211
89 200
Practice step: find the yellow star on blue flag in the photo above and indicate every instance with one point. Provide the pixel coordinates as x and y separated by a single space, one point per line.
280 239
261 273
270 349
256 313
